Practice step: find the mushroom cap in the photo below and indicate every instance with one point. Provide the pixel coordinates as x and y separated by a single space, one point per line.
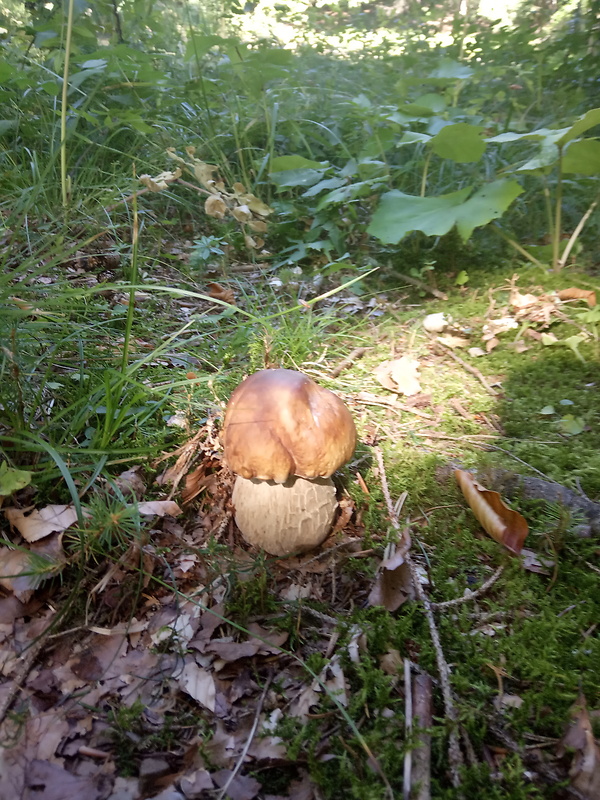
280 423
284 518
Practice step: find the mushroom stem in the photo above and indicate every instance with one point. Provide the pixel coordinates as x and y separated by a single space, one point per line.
284 518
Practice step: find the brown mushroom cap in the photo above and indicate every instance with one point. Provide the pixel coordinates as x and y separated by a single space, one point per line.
280 423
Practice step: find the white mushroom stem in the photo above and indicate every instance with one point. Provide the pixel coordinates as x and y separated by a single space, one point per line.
284 518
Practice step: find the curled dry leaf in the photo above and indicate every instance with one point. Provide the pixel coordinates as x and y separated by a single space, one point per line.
257 225
215 206
22 570
161 181
159 508
41 522
221 293
452 341
400 375
242 213
585 768
519 300
506 526
578 294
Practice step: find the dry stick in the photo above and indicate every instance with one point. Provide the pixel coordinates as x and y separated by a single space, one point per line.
575 234
26 665
408 720
454 752
355 354
244 753
471 595
420 285
473 370
421 755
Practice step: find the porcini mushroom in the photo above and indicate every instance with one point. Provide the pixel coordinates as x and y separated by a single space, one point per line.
284 436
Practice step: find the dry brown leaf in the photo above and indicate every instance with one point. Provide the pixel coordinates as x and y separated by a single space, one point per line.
199 684
506 526
585 767
257 225
242 213
400 375
130 482
519 300
494 327
215 206
491 344
452 341
41 522
221 293
392 585
578 294
159 508
240 787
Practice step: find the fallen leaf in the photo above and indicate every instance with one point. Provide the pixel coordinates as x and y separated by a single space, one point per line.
221 293
399 375
475 352
215 206
11 480
496 326
452 341
41 522
240 787
199 684
491 344
502 701
585 767
578 294
130 482
534 563
159 508
519 300
392 585
242 213
502 523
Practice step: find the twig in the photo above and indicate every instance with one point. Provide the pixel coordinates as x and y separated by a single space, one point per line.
420 285
26 665
473 370
408 727
575 234
454 753
357 353
421 755
223 793
471 595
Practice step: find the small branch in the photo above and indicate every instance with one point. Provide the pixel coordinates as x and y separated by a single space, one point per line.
408 727
423 286
575 235
517 246
454 753
473 370
421 755
471 595
223 793
357 353
27 663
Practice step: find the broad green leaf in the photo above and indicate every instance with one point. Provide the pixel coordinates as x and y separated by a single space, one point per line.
399 214
432 101
412 137
284 163
571 425
345 193
589 120
452 70
487 204
583 157
540 133
547 411
199 44
462 278
296 177
460 142
546 158
7 125
11 480
329 183
6 71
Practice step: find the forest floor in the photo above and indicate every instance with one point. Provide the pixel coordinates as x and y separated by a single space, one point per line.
164 657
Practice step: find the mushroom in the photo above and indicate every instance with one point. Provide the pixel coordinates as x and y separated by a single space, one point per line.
284 436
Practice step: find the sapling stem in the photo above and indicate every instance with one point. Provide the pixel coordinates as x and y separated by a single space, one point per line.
64 183
575 235
425 171
556 265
